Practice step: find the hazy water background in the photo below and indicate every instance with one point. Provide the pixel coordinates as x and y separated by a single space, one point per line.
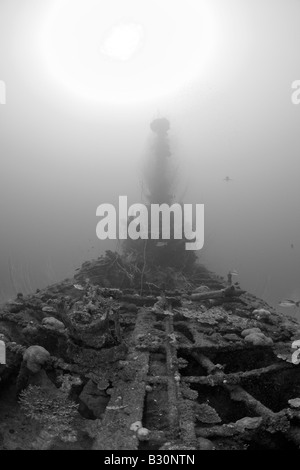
61 158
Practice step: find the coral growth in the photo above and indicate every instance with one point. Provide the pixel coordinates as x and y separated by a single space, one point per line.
53 410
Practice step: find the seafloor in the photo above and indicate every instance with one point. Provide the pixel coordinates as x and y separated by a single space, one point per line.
94 363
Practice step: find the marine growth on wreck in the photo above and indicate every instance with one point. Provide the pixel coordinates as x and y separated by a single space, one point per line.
146 349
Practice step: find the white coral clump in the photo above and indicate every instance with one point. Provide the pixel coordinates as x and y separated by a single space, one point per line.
53 324
136 426
256 337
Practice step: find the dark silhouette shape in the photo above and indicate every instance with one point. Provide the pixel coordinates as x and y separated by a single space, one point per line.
159 180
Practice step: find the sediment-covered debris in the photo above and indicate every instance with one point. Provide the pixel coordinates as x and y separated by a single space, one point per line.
187 364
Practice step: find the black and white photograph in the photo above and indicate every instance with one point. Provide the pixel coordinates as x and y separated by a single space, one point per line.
150 228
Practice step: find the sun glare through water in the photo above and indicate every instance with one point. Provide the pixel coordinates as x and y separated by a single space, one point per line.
123 52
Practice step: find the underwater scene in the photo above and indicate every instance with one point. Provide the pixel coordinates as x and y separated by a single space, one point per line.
150 227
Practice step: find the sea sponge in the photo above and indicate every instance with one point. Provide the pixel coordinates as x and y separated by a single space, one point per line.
249 423
136 426
35 357
205 444
248 331
206 414
294 403
261 314
258 339
201 289
143 434
261 311
49 309
53 323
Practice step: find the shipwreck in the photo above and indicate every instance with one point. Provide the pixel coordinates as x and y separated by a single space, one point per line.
147 349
